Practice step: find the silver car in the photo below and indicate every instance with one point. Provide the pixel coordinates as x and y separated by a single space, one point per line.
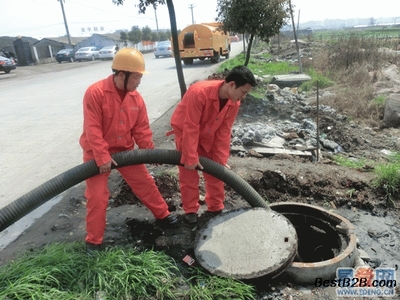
107 52
87 53
7 64
163 49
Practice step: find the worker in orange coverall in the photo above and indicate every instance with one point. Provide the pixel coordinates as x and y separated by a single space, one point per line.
202 124
115 119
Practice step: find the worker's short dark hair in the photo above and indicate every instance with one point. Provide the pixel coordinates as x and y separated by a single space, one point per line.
241 75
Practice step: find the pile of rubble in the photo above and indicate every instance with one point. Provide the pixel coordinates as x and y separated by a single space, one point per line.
285 123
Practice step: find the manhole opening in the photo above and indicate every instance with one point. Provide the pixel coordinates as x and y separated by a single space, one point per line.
318 240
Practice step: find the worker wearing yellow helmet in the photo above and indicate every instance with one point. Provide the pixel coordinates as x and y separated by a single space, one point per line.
115 119
126 62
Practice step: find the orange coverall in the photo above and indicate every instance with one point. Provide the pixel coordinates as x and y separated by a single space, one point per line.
112 125
201 128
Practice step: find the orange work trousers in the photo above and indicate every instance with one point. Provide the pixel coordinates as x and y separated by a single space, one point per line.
97 195
189 185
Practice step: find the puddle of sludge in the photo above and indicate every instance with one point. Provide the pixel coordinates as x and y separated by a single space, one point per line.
378 236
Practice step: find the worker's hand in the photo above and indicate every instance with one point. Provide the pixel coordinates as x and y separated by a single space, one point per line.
193 167
107 166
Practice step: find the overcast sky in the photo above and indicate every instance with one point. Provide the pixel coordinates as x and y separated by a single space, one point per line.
44 18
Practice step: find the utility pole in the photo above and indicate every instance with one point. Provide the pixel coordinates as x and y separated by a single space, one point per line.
155 13
295 37
65 22
191 6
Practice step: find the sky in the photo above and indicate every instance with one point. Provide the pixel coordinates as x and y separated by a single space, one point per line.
44 18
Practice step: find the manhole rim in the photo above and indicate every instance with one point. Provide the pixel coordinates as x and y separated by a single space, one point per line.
346 258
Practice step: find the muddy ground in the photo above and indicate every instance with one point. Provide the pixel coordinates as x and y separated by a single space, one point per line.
278 178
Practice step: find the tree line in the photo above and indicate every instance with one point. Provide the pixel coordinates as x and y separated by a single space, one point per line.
136 35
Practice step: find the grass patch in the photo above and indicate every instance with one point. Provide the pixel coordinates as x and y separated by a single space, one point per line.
388 178
350 163
380 100
260 65
210 287
316 79
64 271
387 174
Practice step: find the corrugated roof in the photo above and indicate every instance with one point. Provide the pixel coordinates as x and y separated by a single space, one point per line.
64 40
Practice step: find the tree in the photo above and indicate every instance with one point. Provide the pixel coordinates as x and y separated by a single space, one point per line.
143 4
155 36
135 35
146 33
261 18
164 35
123 36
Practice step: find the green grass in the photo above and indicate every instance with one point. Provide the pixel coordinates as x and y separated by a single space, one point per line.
388 178
316 78
64 271
387 175
380 100
368 32
260 67
350 163
209 287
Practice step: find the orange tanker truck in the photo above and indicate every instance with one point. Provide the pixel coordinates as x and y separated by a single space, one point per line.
203 41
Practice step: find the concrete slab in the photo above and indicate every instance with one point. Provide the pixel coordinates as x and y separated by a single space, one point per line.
290 80
246 243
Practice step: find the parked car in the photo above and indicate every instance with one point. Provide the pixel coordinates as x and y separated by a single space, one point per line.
65 55
7 64
87 53
163 49
107 52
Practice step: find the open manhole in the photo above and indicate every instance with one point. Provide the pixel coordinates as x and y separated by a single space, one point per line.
326 241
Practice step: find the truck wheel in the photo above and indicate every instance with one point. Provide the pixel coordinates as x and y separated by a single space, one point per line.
215 59
188 61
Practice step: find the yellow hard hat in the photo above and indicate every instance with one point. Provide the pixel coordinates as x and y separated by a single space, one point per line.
129 59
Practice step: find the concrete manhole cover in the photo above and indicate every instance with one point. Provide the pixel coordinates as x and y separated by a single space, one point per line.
246 243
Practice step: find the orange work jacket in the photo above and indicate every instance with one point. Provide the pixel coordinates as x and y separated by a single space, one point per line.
112 125
199 123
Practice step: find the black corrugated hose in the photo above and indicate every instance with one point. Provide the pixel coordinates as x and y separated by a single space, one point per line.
33 199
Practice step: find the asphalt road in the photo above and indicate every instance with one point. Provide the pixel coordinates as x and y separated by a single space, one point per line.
41 114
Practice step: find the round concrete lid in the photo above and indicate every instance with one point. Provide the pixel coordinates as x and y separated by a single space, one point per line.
246 243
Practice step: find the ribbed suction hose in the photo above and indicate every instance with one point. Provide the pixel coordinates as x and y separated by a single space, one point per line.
33 199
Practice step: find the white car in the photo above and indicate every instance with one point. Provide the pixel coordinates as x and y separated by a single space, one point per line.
87 53
107 52
163 49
